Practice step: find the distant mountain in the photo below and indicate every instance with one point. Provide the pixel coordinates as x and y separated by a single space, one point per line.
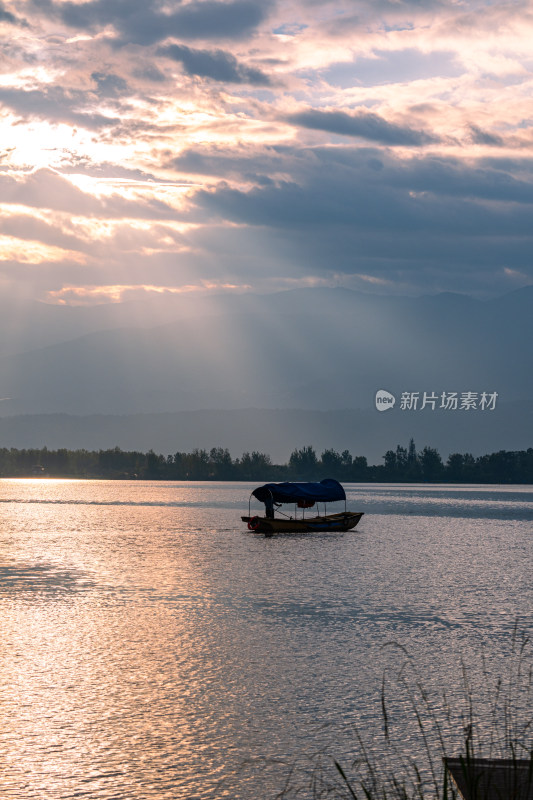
309 349
25 326
277 432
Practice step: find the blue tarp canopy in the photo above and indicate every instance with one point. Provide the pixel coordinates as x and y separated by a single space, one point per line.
326 491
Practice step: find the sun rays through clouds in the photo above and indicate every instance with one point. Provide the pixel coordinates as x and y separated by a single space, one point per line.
221 146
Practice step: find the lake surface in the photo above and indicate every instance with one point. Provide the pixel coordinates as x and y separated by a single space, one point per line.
152 648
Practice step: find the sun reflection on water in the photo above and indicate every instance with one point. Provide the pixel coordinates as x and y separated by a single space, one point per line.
152 649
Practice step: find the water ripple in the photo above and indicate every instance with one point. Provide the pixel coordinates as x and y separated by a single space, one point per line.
152 649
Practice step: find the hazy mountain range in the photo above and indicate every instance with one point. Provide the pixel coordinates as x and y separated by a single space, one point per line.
325 351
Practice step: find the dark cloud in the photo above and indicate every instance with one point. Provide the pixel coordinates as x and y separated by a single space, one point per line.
343 186
246 161
143 22
109 85
53 104
216 64
494 180
150 73
512 165
350 211
7 16
450 177
363 125
480 136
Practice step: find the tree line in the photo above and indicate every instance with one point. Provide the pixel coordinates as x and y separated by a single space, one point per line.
404 464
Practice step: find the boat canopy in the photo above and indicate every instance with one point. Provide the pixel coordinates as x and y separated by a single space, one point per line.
327 491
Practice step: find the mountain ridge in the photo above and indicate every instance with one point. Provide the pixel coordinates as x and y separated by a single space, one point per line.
314 349
277 431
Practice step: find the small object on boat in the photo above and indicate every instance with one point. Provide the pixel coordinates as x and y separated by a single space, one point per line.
302 495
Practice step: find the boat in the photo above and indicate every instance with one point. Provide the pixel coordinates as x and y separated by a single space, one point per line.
492 778
303 496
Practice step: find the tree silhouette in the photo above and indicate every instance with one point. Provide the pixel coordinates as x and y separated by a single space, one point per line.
401 464
431 464
302 463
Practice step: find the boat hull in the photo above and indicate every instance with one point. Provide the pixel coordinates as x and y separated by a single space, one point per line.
344 521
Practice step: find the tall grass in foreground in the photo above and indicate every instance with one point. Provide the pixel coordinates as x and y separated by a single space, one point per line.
487 716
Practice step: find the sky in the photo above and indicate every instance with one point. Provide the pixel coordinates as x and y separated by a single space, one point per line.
159 146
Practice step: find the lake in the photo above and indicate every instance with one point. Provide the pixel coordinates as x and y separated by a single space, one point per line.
151 647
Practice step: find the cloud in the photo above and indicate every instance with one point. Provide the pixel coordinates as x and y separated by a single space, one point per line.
377 157
247 162
216 64
420 223
142 22
362 125
393 66
109 85
45 189
7 16
150 73
450 177
54 104
480 136
343 187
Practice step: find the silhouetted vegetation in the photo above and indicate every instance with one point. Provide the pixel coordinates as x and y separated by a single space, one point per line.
486 715
400 465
